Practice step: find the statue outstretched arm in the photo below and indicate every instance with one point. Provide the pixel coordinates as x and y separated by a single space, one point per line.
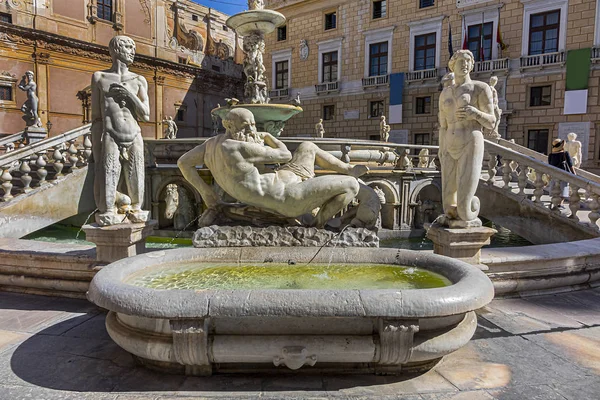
187 165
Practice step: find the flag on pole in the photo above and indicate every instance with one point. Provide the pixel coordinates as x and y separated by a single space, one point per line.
465 44
450 49
481 49
499 40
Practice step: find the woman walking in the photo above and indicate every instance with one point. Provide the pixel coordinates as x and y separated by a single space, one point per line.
561 159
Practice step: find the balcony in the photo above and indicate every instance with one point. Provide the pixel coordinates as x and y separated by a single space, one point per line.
279 93
543 60
374 81
422 75
491 66
327 87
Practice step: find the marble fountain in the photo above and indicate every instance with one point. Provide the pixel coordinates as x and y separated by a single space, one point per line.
307 306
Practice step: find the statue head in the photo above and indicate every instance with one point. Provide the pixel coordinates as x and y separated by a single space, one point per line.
29 75
572 136
493 81
170 118
240 125
383 118
462 62
122 48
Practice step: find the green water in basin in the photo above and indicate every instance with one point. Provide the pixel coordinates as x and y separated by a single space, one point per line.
199 275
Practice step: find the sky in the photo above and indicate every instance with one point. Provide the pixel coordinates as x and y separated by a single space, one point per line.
226 6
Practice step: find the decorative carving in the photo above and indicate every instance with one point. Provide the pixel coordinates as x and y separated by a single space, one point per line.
15 4
41 58
184 37
396 341
179 206
255 88
160 80
304 50
294 357
92 11
190 341
145 5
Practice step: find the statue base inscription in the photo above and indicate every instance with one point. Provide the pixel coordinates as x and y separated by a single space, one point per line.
247 236
463 244
120 241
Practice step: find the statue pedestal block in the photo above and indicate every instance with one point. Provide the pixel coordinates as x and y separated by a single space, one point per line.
115 242
35 134
464 244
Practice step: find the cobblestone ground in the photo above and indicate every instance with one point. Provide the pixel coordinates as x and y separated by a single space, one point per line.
545 348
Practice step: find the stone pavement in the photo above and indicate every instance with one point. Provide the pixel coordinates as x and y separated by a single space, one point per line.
544 348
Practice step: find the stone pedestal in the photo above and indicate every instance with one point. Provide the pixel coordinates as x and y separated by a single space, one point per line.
464 244
35 134
115 242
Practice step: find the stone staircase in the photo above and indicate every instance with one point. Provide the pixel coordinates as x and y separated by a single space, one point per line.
44 182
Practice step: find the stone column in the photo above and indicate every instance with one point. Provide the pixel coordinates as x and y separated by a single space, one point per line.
120 241
41 79
158 105
461 243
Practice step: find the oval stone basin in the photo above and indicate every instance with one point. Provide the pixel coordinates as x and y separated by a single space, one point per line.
232 310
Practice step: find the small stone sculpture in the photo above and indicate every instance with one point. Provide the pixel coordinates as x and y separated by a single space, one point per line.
304 50
424 158
236 162
170 128
493 133
319 129
30 107
120 98
297 101
215 124
573 146
256 4
466 107
179 206
404 161
384 129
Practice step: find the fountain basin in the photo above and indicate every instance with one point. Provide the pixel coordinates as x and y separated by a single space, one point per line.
264 21
200 332
268 117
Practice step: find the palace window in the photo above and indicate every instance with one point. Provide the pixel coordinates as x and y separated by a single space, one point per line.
282 33
194 17
330 66
426 3
423 105
105 9
540 96
379 9
328 112
543 32
537 139
330 21
181 115
281 75
376 109
6 93
378 59
474 40
421 138
424 51
6 18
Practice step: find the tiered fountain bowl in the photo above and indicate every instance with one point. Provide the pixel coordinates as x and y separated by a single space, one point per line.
269 309
268 117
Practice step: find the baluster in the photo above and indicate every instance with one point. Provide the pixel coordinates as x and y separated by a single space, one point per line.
25 177
555 193
574 202
594 209
506 172
492 163
57 163
73 155
41 172
539 184
6 184
87 152
523 178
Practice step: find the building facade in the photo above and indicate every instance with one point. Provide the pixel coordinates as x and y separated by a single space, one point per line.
190 59
355 60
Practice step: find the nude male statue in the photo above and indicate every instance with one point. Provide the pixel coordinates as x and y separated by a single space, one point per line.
119 100
237 158
466 107
170 128
573 146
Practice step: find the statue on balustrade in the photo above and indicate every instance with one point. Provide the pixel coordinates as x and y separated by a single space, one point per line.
384 130
119 100
573 147
238 162
319 129
466 108
30 107
493 133
170 128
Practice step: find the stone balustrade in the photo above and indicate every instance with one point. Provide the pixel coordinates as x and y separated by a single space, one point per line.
31 165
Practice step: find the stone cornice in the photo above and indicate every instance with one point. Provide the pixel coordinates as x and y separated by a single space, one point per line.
49 41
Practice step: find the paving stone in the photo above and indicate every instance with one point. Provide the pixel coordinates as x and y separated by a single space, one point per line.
140 380
37 393
93 328
583 389
370 384
230 383
470 395
581 347
539 392
582 306
9 339
307 382
519 316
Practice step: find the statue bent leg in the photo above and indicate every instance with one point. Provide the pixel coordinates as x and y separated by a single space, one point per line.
308 154
134 179
108 171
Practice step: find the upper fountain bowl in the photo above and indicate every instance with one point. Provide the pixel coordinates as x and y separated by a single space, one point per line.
269 117
264 21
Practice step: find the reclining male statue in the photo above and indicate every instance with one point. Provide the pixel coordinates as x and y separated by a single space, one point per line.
237 158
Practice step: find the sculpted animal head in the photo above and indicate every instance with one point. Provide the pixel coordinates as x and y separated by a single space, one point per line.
171 200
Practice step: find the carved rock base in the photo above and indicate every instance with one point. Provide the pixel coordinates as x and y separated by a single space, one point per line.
245 236
464 244
119 241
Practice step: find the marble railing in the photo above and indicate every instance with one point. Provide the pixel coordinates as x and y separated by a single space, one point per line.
532 173
32 164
